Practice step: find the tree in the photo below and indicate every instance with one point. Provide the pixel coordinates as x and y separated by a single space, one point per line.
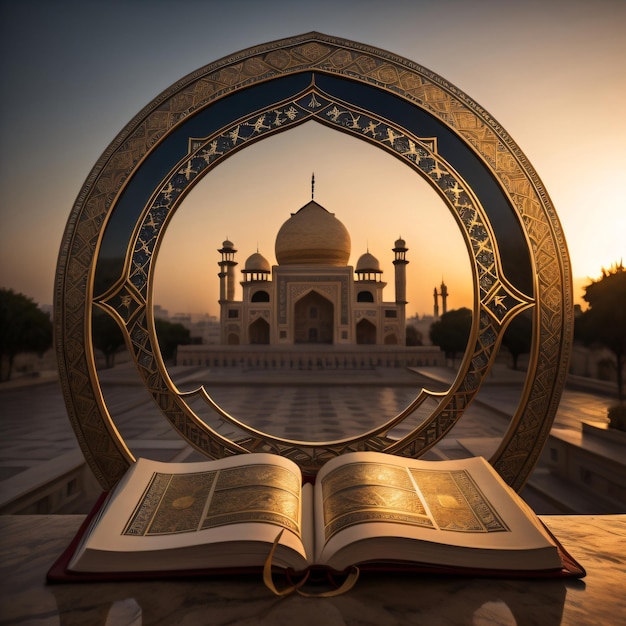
413 336
170 336
604 321
452 331
107 336
24 327
518 337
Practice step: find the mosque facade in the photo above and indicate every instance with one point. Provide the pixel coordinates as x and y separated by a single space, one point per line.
311 296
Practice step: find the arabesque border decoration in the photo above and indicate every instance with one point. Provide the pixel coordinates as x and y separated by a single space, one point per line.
551 303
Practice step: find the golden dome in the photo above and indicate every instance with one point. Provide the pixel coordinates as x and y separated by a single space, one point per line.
313 236
257 263
368 263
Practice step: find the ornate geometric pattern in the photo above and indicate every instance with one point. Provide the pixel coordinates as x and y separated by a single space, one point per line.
497 300
495 295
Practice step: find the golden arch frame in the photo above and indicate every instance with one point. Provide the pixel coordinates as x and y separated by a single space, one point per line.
315 54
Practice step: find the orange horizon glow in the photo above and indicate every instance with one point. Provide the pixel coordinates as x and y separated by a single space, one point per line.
557 99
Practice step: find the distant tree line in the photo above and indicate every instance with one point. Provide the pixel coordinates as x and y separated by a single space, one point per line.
24 327
451 332
108 338
603 324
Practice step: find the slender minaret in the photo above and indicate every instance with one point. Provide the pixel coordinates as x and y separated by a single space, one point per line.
313 186
227 272
400 264
444 297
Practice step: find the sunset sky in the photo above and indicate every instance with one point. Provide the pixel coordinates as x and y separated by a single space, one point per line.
73 74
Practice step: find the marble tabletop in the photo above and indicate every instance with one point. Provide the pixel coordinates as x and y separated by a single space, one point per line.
30 544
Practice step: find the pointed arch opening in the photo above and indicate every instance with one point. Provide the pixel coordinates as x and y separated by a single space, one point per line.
314 319
365 332
259 332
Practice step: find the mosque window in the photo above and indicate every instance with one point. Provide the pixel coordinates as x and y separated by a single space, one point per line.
260 296
391 313
365 296
233 313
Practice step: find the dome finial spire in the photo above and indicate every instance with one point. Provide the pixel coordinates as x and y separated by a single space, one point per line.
312 185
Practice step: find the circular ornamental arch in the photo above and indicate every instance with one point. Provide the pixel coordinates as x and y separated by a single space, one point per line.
516 246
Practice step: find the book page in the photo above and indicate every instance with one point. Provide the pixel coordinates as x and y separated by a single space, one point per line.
453 503
163 506
195 501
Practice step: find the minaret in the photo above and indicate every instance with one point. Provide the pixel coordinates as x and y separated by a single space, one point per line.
444 298
400 264
227 272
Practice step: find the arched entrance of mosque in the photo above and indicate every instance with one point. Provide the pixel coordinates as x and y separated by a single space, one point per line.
259 332
313 319
365 332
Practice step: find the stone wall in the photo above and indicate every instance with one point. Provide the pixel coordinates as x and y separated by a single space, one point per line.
309 357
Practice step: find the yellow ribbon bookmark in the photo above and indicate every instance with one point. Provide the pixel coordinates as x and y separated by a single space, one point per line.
267 572
347 584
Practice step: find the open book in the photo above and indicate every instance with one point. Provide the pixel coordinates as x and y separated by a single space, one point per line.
365 508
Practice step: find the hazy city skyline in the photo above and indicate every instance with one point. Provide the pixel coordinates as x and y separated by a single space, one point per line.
74 74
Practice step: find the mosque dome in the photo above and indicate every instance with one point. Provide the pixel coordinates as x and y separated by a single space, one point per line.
257 263
368 263
313 236
400 243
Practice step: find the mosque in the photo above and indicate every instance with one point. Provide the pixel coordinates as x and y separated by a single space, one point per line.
311 296
311 311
